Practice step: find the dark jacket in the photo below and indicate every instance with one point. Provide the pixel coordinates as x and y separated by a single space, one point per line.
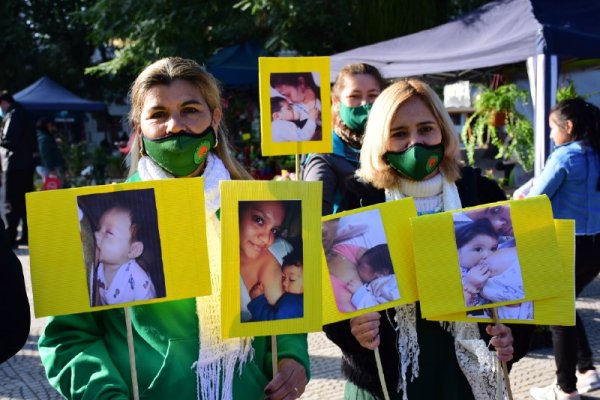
50 154
14 306
18 141
358 363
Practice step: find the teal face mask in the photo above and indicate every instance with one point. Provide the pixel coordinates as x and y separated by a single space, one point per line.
355 118
417 161
182 153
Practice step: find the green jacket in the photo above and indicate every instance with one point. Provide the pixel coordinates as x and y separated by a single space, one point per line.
86 355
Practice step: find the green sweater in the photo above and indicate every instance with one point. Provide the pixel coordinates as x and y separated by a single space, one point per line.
86 355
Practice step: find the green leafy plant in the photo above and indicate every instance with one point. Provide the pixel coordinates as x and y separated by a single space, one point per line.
493 109
568 91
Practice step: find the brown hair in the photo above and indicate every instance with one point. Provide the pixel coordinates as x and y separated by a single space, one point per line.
373 168
165 71
350 136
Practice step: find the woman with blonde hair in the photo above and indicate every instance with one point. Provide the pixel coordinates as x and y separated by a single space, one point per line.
411 150
176 116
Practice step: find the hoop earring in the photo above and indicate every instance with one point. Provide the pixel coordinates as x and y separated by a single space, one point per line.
216 142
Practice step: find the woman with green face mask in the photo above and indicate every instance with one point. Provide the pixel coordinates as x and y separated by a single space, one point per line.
411 150
353 93
177 119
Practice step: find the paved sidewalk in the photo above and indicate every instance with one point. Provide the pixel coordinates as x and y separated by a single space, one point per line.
22 377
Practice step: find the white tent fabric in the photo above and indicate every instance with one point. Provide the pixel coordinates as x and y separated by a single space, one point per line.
500 32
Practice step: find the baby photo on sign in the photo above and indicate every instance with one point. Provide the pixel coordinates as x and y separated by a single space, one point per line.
271 260
295 107
359 262
489 262
121 246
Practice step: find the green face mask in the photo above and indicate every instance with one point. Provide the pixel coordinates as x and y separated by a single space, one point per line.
355 118
182 153
417 161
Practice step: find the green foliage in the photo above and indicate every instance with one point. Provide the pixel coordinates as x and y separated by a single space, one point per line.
568 91
516 139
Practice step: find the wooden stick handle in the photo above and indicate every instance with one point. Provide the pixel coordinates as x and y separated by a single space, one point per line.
274 354
503 363
134 380
386 396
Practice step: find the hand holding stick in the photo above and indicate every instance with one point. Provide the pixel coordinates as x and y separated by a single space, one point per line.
502 364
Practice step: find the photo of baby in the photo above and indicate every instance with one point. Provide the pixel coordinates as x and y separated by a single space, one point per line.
295 107
359 262
489 262
271 260
121 247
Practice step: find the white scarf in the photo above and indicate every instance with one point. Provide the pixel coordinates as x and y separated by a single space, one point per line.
475 360
217 358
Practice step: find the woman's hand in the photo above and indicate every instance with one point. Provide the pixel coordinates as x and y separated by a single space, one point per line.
365 329
353 285
502 340
289 383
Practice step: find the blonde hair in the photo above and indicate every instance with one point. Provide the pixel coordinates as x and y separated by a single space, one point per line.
373 168
165 71
350 70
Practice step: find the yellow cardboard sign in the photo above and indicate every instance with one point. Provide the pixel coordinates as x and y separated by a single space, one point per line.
558 310
271 255
360 246
295 105
457 272
102 247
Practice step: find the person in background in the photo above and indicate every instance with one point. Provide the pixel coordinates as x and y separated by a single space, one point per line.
176 118
14 306
18 149
571 180
354 91
410 149
50 155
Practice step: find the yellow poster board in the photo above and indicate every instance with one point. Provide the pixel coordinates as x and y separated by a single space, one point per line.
295 105
558 310
442 281
76 264
271 252
352 239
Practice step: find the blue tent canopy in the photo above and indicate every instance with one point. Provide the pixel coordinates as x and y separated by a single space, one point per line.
45 94
236 65
500 32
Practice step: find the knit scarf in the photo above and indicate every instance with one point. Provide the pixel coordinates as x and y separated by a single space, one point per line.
475 360
218 358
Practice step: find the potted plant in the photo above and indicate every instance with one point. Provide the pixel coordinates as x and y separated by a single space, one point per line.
495 119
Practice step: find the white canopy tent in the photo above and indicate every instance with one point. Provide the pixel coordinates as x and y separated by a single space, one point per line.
500 32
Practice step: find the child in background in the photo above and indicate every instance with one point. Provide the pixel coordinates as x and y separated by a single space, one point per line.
118 278
378 283
290 304
284 126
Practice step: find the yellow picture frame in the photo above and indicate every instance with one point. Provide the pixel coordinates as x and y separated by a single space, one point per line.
243 201
58 270
395 216
558 310
281 136
438 272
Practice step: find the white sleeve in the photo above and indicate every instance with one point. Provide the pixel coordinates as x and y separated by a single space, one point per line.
363 298
284 131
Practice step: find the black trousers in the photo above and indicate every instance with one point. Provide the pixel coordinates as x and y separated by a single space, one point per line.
18 182
570 343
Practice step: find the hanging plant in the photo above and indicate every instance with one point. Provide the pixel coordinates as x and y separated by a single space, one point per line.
492 108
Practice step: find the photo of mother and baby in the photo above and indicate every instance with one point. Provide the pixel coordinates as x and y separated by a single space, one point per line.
489 263
271 260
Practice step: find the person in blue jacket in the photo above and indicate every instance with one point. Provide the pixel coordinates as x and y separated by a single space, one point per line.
571 179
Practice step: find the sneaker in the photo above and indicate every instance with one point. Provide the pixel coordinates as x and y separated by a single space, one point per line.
588 381
552 392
